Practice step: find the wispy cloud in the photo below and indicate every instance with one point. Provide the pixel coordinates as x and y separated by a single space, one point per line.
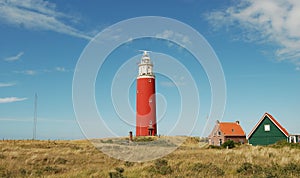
39 120
38 15
6 84
30 72
171 84
11 99
27 72
15 120
269 21
14 58
36 72
61 69
179 81
169 34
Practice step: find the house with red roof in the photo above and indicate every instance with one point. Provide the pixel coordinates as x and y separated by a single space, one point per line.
267 131
224 131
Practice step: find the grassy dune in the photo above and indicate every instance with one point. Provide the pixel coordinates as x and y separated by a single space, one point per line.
20 158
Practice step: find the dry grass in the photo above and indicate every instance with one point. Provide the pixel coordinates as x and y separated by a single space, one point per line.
27 158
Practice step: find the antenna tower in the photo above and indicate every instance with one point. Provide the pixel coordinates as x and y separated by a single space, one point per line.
35 117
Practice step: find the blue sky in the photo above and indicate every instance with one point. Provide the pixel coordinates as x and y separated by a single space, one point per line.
257 44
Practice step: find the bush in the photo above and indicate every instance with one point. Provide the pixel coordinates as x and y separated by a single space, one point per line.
60 160
228 144
292 169
144 139
289 170
106 141
51 169
118 173
207 169
245 168
23 171
119 169
161 167
214 147
249 169
128 164
284 143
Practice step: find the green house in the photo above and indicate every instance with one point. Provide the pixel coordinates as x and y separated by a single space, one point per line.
267 131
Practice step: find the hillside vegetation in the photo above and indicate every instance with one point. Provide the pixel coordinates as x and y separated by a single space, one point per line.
20 158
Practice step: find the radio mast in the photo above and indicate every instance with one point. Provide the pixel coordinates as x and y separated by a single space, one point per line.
35 117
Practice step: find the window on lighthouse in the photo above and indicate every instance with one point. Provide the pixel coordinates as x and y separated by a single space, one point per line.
149 70
145 70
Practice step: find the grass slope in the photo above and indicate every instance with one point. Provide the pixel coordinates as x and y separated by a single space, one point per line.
20 158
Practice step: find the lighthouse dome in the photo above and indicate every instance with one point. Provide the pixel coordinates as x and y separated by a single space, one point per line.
146 66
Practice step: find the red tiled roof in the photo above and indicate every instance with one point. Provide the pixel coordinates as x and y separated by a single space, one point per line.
278 125
231 129
282 129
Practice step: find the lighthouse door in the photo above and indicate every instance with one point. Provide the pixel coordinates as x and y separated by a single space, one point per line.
150 132
150 128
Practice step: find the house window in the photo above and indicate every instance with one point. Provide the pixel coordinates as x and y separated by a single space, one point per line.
219 132
267 127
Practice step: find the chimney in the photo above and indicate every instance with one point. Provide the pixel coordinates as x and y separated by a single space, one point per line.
238 122
217 121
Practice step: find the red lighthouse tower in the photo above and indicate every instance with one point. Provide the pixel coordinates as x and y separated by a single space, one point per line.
145 99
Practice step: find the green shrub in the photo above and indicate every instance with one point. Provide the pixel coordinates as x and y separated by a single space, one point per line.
144 139
228 144
289 170
214 147
23 171
51 169
107 141
284 143
117 173
249 169
292 169
198 167
161 162
128 164
207 169
216 170
60 161
119 169
161 167
245 168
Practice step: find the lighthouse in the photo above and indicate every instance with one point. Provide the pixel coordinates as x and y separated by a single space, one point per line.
145 98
